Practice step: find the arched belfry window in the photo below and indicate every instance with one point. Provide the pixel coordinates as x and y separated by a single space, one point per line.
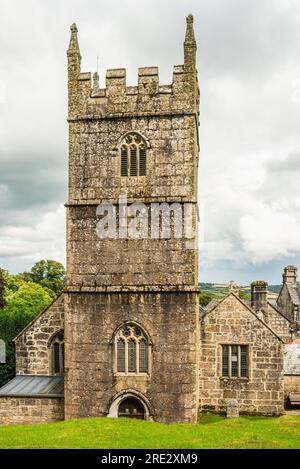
132 350
57 354
133 155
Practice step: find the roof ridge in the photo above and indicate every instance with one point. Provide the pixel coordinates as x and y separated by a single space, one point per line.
249 309
38 316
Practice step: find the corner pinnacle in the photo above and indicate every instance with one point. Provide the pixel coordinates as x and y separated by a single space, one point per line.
74 46
190 35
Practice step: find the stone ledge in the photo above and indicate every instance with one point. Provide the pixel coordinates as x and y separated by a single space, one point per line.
116 73
147 71
145 200
85 76
135 115
130 289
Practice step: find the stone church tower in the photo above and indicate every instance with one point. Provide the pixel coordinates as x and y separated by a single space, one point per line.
127 336
131 303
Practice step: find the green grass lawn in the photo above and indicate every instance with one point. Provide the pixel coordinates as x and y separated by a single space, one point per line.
213 431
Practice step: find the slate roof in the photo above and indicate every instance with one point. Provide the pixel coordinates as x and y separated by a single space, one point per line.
34 386
211 305
294 291
272 304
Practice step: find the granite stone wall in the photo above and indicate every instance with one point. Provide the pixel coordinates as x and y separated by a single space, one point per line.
32 345
151 281
30 410
231 322
170 320
95 158
141 263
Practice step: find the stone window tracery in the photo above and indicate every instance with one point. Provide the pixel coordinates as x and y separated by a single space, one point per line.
133 155
132 350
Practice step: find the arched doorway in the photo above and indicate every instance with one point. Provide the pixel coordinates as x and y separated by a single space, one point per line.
131 408
130 404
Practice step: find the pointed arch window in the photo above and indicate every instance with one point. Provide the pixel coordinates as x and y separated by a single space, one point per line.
133 155
132 350
57 354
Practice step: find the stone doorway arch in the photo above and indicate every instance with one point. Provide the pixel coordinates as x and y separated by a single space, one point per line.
130 404
131 408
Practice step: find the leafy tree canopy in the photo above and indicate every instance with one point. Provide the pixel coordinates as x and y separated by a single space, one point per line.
49 274
22 307
2 290
23 297
243 295
205 299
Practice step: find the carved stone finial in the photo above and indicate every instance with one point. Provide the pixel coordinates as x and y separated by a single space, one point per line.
189 34
74 46
96 81
233 287
73 54
190 48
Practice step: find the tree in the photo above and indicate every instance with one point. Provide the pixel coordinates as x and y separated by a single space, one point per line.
205 299
244 296
2 290
22 307
49 274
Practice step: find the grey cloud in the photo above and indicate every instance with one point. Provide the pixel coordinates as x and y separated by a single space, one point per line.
281 185
31 180
289 165
248 59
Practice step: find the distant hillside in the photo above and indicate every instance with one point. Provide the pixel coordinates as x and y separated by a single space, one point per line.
217 290
275 288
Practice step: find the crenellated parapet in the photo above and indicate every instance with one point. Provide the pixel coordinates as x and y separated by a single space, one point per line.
87 100
164 115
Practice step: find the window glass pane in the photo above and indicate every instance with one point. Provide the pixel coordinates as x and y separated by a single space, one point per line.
62 350
234 361
244 361
143 357
142 161
124 162
56 358
131 356
121 356
133 161
225 358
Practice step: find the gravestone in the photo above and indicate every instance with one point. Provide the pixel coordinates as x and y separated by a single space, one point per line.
232 409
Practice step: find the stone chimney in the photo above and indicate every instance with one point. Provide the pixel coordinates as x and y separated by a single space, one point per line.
259 295
290 274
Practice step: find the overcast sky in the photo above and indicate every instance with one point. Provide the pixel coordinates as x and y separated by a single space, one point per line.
249 72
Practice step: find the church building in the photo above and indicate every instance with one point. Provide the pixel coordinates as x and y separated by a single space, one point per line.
127 336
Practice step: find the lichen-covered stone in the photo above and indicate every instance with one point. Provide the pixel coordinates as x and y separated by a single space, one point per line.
30 410
151 281
33 343
233 322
